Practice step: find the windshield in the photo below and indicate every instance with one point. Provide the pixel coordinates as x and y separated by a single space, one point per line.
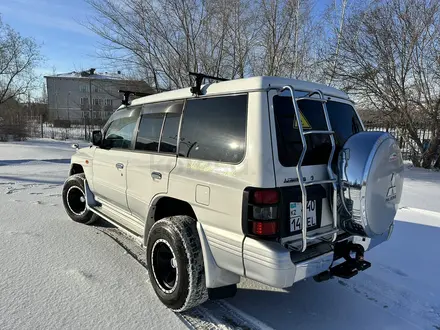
343 119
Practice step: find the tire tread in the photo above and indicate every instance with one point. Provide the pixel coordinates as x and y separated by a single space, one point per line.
187 230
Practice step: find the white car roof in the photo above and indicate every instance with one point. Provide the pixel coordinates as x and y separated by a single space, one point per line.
243 85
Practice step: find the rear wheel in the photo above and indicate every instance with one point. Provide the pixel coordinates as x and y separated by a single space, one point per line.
74 200
175 263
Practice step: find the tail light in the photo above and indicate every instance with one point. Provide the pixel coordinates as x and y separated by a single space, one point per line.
269 196
266 228
263 212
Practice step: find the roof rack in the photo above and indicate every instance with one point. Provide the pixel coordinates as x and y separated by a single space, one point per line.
125 99
196 90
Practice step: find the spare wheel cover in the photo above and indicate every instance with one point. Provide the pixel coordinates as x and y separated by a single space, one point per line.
371 182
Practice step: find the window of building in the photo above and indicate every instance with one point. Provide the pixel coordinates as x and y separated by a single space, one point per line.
96 89
84 101
109 102
149 132
83 88
97 101
214 129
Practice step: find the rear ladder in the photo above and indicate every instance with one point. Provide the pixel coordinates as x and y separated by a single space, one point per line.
324 232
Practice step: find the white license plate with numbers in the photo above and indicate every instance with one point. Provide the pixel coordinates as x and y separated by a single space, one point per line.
296 215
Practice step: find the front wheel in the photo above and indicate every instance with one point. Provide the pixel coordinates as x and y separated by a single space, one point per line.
175 263
74 200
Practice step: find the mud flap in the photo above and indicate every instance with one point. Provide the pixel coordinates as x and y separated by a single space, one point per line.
90 197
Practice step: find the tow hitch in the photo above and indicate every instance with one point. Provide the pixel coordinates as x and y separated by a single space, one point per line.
350 267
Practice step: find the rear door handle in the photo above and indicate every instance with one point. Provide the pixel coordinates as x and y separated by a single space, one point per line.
119 166
156 175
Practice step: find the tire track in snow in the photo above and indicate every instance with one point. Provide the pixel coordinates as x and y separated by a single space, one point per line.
212 315
398 301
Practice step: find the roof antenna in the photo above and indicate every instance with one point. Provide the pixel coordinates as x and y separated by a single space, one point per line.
196 90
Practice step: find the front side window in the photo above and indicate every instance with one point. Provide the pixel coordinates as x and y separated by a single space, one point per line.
214 129
343 120
120 132
168 142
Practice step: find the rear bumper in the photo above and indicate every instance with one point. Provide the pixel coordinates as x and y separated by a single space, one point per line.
271 264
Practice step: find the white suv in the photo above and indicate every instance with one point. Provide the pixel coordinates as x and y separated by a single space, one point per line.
213 179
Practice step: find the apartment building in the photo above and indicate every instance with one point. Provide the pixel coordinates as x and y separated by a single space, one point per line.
76 96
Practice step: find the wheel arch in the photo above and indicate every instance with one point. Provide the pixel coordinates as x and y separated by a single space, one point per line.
76 169
165 206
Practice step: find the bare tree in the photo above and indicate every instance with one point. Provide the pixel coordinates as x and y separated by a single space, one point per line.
284 39
19 56
228 38
165 40
388 57
339 32
159 38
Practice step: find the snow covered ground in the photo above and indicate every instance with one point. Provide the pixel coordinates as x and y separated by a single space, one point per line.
58 274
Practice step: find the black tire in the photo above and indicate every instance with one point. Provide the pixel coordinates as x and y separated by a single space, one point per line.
176 238
74 200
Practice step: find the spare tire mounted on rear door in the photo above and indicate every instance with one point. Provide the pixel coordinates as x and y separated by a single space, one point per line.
371 181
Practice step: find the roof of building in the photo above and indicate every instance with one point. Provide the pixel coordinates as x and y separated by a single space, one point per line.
243 85
90 74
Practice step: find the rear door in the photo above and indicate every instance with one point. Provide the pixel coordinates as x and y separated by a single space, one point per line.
287 148
154 155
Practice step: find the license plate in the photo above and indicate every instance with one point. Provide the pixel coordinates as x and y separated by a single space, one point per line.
296 215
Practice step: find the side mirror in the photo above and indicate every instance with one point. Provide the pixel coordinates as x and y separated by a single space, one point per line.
96 138
75 146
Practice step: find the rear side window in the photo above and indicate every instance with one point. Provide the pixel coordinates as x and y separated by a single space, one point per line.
214 129
343 119
149 132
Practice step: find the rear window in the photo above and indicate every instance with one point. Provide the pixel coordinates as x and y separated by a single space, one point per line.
343 119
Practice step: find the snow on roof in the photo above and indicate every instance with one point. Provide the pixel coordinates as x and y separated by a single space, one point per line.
244 85
87 75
